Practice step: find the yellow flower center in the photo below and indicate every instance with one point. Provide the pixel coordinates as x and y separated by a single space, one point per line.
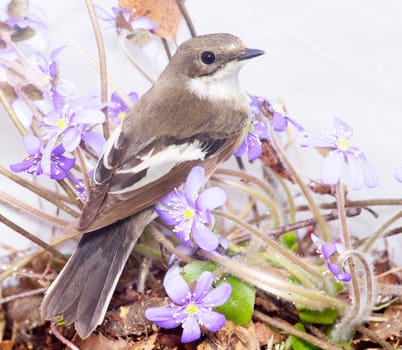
121 116
61 123
250 128
191 309
343 144
189 213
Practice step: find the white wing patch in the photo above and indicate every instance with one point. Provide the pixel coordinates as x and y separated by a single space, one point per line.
111 142
161 163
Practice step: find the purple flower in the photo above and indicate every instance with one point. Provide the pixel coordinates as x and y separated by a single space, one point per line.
50 67
341 151
117 109
398 174
191 309
328 250
280 122
74 122
189 211
138 28
21 27
252 144
59 165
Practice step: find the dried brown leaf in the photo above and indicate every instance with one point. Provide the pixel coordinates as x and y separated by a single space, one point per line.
8 91
7 345
391 328
32 92
271 159
232 336
165 13
99 341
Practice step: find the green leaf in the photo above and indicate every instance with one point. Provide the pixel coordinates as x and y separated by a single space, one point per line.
289 240
299 344
326 316
192 271
240 306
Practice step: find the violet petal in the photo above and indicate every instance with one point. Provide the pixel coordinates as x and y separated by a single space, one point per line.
212 320
332 167
203 286
191 330
211 198
194 182
177 289
218 296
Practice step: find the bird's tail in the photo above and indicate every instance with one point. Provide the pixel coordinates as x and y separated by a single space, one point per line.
82 291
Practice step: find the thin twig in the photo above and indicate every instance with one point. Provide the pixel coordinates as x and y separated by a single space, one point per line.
84 169
276 232
20 263
288 328
167 49
31 237
102 62
70 193
275 284
59 336
168 244
144 273
370 241
15 203
375 337
28 293
348 246
39 190
302 268
187 18
122 43
310 200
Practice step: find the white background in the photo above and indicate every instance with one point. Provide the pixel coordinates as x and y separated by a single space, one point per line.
323 58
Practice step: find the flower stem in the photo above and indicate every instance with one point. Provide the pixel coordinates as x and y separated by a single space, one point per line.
356 296
187 18
20 263
84 169
102 63
310 200
44 193
14 118
168 244
275 285
278 249
15 203
363 305
122 43
60 337
367 245
271 206
70 193
288 328
290 201
31 237
247 177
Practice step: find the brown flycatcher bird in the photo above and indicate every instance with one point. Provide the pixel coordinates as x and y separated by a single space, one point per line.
195 114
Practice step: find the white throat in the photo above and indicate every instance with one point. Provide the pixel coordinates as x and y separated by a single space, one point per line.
222 86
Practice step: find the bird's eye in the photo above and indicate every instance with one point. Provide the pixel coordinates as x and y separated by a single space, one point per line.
208 57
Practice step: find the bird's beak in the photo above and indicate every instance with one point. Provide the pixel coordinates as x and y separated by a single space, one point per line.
250 53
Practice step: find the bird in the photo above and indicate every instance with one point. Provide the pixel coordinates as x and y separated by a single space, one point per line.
194 115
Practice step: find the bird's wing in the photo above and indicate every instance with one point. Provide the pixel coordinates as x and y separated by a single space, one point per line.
142 164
